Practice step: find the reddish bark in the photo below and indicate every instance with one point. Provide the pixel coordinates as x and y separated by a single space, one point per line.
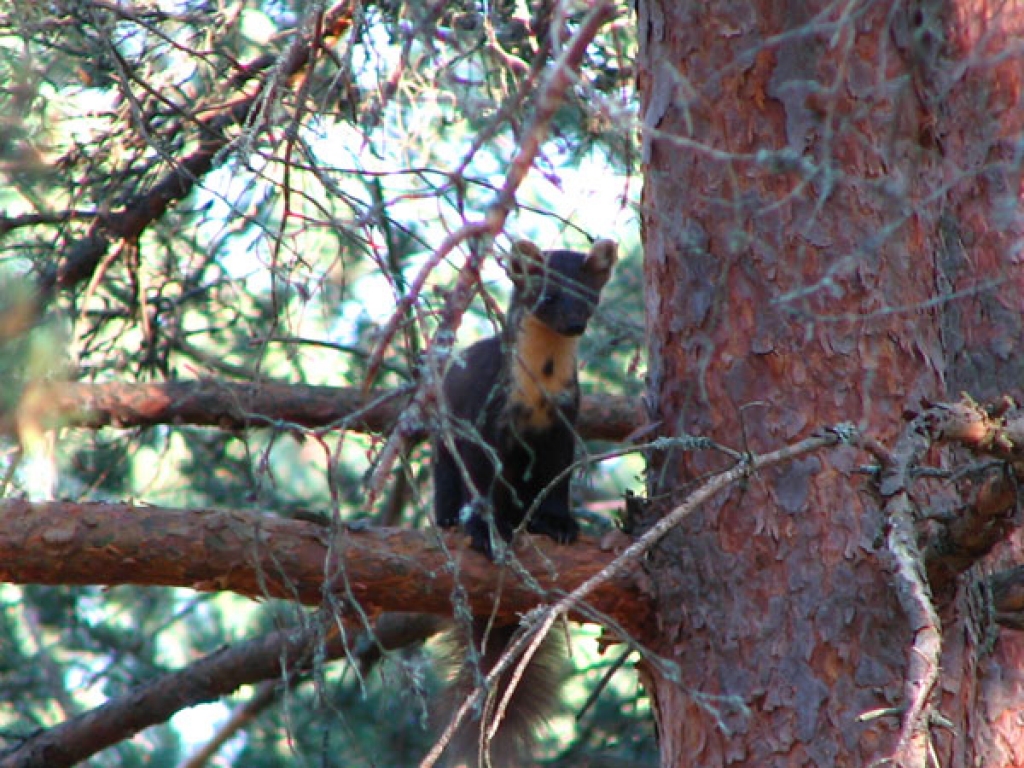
110 544
262 556
799 271
232 405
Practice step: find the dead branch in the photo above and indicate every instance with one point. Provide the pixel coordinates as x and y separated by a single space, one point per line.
994 432
392 631
913 591
523 648
206 680
127 223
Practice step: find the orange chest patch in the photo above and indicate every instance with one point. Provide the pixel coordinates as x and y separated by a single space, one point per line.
543 373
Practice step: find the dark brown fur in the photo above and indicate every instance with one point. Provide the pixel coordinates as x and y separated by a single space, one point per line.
512 400
534 700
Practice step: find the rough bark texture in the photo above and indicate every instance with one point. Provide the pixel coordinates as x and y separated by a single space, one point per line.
820 180
263 556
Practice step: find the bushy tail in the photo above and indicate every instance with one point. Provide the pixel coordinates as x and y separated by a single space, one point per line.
534 700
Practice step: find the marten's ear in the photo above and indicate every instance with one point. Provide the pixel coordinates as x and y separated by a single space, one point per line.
602 258
525 260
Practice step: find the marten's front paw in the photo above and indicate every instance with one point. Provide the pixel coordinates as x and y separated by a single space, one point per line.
480 533
562 528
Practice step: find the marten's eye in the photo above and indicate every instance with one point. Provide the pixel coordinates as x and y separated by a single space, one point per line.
549 300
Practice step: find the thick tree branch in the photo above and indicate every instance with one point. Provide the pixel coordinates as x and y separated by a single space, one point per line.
231 405
263 556
528 642
914 592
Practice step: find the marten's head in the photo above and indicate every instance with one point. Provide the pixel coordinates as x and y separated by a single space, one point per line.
559 288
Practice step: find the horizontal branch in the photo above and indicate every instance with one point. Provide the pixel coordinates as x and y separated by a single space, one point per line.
229 405
261 556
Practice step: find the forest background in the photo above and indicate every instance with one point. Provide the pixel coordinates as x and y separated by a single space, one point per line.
239 242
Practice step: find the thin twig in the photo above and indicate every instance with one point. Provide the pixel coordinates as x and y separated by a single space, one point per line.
552 94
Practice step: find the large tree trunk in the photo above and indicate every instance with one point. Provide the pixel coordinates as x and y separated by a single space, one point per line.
821 180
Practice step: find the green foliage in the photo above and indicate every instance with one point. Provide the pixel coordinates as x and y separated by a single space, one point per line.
343 721
283 260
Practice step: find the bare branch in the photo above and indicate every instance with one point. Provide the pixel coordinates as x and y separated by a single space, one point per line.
914 592
968 536
521 650
206 680
85 255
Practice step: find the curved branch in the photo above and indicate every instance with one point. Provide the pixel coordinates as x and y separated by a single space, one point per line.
275 656
526 645
913 590
206 680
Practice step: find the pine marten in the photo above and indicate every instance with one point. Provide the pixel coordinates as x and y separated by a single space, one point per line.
511 401
515 397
